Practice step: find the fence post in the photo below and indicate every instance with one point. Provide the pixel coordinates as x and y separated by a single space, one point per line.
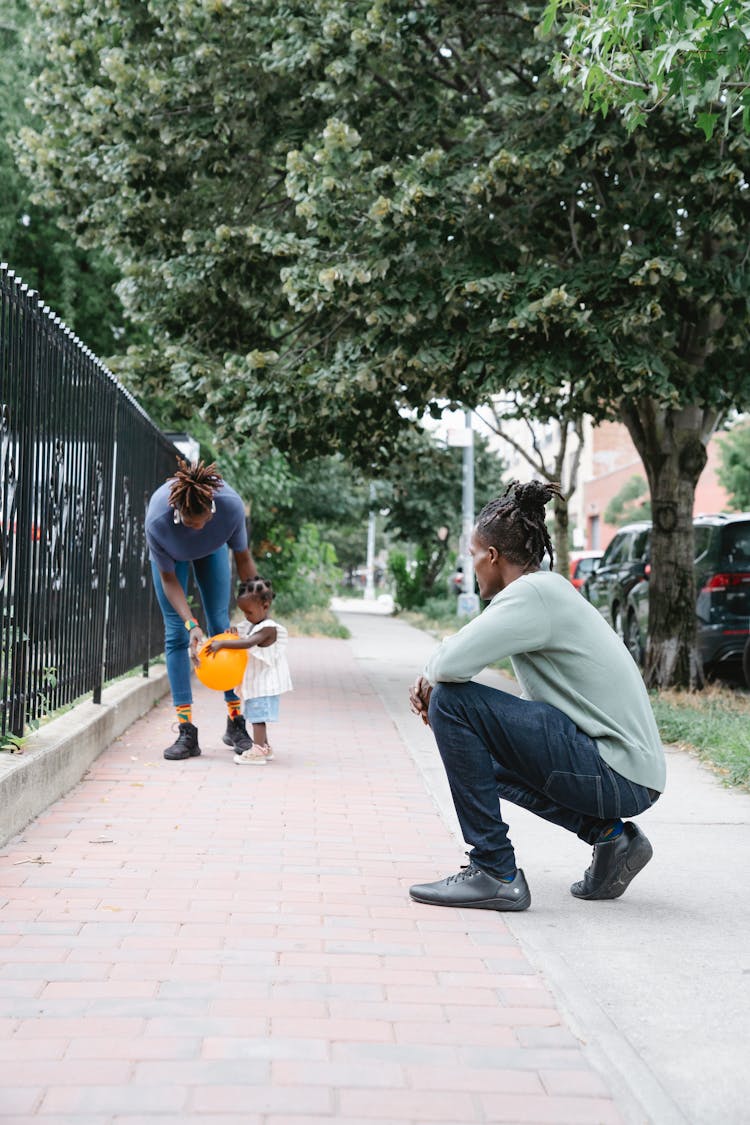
20 694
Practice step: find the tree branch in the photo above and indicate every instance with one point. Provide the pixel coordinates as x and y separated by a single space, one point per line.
387 86
539 466
572 228
323 339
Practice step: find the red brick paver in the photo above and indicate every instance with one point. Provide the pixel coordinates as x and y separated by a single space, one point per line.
197 941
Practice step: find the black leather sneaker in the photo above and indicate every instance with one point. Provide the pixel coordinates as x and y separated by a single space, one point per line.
474 888
236 735
185 745
615 864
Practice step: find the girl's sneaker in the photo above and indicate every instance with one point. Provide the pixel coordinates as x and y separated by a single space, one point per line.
265 749
252 757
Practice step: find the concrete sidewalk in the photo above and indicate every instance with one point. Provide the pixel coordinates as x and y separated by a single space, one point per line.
655 984
199 941
205 942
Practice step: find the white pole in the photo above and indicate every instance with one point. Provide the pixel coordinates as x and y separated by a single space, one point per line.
370 566
467 506
468 602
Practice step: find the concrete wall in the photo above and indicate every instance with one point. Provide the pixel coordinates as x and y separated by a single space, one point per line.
56 756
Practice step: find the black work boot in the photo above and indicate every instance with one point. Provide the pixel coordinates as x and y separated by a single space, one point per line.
474 888
615 863
236 735
185 745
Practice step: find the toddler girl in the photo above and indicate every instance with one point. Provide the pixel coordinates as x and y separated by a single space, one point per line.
267 674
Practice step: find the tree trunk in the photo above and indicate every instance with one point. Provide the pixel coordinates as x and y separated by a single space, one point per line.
434 555
672 446
562 551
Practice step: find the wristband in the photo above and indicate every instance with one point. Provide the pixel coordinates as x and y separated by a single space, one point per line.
190 624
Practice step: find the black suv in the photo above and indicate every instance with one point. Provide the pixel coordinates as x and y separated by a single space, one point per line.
619 587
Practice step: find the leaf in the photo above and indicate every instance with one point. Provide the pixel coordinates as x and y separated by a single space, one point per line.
549 18
707 122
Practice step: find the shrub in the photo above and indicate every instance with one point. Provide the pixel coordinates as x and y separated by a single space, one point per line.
303 569
409 581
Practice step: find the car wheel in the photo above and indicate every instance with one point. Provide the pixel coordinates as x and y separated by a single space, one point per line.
746 664
617 624
632 639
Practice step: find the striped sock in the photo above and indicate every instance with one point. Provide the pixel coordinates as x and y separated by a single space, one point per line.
184 713
234 707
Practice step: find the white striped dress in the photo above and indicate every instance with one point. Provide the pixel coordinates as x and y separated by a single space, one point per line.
267 670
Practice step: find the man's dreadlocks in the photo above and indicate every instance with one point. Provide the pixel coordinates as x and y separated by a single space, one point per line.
193 487
514 523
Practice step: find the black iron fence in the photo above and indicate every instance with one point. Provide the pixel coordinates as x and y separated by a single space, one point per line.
78 461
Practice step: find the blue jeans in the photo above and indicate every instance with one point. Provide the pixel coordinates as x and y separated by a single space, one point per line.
213 577
494 745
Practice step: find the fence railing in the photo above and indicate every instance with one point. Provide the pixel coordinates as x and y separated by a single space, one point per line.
79 459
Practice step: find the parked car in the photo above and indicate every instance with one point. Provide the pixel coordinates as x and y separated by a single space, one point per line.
623 566
619 587
457 579
582 564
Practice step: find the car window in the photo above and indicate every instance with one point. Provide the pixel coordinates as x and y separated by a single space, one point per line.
736 545
639 547
585 566
702 539
615 552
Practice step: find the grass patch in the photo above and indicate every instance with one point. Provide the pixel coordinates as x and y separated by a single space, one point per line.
714 724
316 622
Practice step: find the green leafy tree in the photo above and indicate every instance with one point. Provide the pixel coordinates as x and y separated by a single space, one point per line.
402 206
329 497
165 138
734 471
633 56
629 504
303 568
76 284
513 245
422 492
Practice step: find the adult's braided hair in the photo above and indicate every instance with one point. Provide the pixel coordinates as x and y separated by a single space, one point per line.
514 523
193 487
257 587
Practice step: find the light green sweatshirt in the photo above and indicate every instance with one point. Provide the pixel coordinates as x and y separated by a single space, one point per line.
564 653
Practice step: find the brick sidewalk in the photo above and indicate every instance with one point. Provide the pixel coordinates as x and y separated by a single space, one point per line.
195 941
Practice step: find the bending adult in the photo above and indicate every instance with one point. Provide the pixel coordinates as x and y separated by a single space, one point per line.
580 748
195 519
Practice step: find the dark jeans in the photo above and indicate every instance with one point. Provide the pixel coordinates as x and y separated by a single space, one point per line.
495 745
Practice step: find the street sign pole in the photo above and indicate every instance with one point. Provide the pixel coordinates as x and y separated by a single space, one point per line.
468 602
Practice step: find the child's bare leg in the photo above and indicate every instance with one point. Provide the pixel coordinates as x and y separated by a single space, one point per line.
259 734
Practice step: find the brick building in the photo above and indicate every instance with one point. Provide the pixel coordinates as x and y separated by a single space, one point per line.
608 463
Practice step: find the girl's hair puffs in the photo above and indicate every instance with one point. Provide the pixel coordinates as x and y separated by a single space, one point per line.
260 588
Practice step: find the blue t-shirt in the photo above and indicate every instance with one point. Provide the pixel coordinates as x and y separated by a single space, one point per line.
170 542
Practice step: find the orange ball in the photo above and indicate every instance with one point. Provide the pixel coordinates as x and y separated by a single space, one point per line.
222 670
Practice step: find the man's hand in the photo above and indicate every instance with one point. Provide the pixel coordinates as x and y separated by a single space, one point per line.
196 642
419 698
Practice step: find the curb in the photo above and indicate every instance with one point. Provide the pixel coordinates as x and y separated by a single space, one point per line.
56 757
